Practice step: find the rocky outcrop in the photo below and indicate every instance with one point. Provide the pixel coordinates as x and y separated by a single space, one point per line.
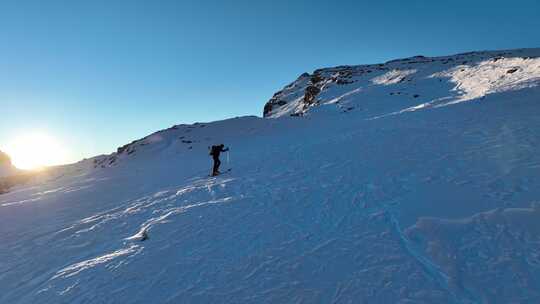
282 97
270 105
425 79
300 95
310 95
6 168
9 175
4 159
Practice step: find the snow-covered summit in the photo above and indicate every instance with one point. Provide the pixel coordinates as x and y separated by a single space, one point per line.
372 91
373 196
410 83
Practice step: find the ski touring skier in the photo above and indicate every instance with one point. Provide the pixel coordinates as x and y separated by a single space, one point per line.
214 152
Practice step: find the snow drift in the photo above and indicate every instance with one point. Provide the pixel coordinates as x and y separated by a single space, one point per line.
412 181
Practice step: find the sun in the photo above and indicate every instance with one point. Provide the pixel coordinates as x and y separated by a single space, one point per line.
34 151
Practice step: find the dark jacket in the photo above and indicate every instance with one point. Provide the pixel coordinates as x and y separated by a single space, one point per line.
216 150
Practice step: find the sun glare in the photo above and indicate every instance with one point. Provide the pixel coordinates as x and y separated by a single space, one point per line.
35 151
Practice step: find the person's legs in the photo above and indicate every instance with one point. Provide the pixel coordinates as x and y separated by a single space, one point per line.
216 166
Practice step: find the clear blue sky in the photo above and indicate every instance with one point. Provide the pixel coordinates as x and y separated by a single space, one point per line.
98 74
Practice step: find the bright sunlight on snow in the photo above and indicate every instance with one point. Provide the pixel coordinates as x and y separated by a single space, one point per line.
36 150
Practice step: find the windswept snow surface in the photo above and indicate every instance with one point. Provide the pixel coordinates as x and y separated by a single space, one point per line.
371 205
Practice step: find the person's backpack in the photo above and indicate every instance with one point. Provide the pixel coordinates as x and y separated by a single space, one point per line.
213 150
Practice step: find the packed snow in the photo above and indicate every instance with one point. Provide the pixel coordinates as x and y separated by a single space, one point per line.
371 195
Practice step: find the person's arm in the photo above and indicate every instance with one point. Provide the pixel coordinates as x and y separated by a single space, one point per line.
225 150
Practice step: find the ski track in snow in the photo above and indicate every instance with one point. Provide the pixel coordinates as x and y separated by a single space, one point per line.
426 205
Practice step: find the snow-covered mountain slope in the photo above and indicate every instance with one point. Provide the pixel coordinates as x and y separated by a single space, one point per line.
409 84
435 205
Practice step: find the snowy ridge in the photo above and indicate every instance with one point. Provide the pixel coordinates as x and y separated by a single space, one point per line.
410 83
376 204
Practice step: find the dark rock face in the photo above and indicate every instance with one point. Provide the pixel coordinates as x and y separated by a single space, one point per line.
512 70
271 103
312 85
310 95
277 99
316 78
267 109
